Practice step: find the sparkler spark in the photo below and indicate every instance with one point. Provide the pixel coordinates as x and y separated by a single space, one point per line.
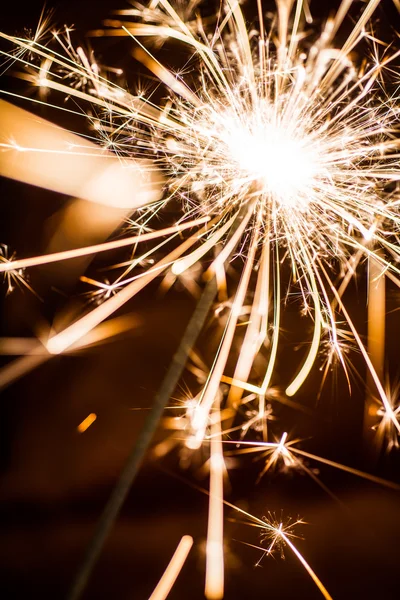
279 148
172 571
14 275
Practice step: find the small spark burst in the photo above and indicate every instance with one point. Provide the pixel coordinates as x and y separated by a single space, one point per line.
103 290
276 531
285 144
255 420
13 277
386 428
281 453
273 149
277 455
386 432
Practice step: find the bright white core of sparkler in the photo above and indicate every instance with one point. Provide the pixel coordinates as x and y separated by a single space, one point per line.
282 164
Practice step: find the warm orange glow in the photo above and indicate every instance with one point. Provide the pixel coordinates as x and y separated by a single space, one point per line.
214 587
175 565
86 423
73 165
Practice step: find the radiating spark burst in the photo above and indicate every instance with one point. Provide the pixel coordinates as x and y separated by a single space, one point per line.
14 277
286 144
102 290
386 432
272 534
278 534
280 146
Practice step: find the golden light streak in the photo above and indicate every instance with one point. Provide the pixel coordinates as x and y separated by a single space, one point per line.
18 346
185 263
63 340
212 385
312 354
214 585
376 332
256 331
275 338
367 359
350 470
36 353
45 259
86 423
164 75
307 567
277 532
21 366
74 166
227 250
173 569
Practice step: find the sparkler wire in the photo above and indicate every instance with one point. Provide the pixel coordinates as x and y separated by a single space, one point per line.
131 468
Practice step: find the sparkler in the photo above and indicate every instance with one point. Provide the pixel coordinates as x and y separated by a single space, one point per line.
278 147
167 580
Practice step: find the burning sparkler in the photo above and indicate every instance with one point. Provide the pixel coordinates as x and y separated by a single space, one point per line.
277 147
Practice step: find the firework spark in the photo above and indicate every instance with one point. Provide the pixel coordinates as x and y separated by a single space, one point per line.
279 149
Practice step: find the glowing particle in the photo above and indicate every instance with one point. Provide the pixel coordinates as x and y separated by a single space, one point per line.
86 423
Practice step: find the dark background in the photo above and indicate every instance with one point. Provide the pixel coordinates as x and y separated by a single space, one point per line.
56 481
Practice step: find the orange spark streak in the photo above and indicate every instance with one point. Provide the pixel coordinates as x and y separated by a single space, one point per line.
63 340
214 588
307 567
86 423
173 569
